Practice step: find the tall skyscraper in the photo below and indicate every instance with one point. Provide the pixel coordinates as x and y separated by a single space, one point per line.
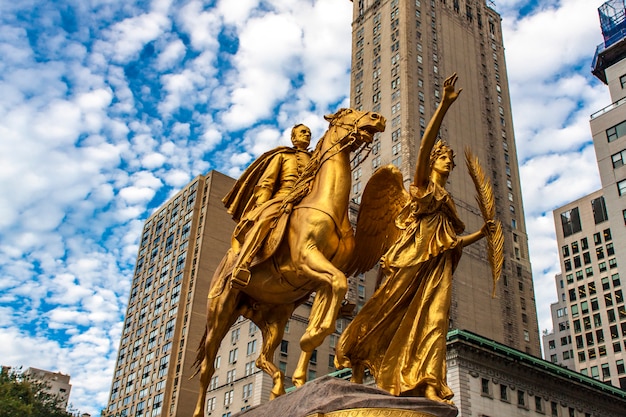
402 52
591 230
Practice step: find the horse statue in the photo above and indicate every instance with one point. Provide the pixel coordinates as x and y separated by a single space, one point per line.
317 245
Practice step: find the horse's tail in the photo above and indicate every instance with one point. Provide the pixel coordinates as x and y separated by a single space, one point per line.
200 354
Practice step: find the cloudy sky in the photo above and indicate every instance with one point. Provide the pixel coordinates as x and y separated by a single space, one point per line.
107 107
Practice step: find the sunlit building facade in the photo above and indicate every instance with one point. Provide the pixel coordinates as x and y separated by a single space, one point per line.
402 51
591 231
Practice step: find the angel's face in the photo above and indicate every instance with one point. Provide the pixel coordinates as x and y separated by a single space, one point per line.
443 164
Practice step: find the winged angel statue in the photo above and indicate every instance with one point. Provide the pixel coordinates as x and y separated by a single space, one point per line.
400 333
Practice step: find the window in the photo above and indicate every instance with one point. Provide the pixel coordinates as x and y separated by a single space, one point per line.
577 263
214 382
247 391
228 397
504 393
538 404
618 158
210 404
621 187
599 210
521 398
284 347
232 355
234 335
250 368
570 221
616 131
554 409
230 376
572 294
592 288
597 238
610 250
565 250
484 387
568 265
607 234
586 258
251 347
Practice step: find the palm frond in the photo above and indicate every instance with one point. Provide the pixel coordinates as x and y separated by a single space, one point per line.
486 202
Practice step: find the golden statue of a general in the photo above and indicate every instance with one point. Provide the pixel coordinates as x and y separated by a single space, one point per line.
400 333
256 200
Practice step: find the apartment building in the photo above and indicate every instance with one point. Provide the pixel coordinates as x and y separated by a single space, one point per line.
591 231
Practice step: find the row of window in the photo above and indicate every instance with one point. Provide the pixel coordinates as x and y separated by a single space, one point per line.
523 399
594 371
246 393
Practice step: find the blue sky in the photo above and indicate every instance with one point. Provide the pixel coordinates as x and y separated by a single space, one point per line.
108 107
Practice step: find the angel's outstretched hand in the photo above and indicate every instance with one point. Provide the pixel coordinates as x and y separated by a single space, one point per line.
449 93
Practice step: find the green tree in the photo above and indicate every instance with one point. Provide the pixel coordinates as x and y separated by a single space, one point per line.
21 396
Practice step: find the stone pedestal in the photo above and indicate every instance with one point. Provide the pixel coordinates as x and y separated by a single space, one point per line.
333 397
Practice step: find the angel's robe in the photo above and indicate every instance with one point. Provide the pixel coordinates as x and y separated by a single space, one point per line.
400 333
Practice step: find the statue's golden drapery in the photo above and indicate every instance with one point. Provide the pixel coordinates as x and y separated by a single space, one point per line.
408 314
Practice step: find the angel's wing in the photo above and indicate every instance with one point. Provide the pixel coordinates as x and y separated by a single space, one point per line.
383 199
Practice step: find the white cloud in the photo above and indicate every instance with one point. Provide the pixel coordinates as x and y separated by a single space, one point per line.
126 39
267 57
171 55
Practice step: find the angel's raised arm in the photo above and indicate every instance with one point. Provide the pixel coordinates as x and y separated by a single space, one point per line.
422 170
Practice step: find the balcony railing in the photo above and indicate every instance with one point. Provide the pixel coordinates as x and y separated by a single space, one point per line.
608 108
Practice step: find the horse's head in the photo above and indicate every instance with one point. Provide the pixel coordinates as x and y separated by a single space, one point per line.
360 126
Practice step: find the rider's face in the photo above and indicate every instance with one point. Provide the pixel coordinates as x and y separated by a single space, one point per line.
301 137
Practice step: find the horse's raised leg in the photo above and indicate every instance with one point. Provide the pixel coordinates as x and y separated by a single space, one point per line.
221 314
272 320
329 294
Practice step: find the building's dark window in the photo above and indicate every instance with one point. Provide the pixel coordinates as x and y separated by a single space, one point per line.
504 393
599 210
484 384
570 220
621 187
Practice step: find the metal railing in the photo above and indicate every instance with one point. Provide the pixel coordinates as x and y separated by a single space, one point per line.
608 108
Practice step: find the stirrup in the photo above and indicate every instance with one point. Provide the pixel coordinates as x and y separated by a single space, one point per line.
240 278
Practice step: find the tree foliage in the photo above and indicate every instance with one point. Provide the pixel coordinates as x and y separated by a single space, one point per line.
21 396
